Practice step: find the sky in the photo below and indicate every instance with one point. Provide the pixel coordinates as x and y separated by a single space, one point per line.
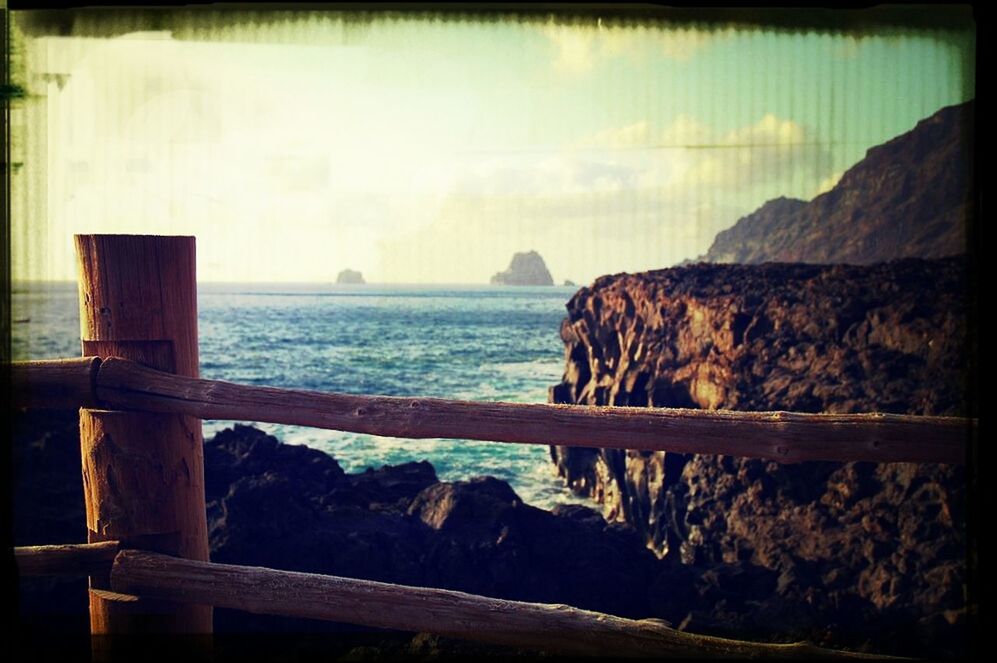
424 151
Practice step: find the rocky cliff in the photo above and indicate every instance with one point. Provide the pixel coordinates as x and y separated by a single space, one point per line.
889 337
910 197
525 269
750 238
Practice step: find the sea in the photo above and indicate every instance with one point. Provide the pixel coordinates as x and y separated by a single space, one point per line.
476 343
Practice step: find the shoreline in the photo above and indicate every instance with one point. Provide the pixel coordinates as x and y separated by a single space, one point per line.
286 506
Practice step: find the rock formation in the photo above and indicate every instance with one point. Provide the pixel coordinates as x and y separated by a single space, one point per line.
400 524
890 337
291 507
910 197
350 276
525 269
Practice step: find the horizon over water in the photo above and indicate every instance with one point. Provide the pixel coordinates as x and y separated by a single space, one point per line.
467 342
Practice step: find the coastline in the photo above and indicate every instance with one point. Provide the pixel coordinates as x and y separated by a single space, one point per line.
291 507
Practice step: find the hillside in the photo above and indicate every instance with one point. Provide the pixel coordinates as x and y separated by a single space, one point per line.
909 197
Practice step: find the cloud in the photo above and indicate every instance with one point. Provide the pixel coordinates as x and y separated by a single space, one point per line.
631 135
683 44
624 198
764 150
575 47
828 183
686 130
578 48
770 130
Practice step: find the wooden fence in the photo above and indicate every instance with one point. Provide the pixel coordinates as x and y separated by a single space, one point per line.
141 403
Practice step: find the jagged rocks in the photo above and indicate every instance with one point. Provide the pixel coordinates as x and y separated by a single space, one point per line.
291 507
399 524
889 337
520 552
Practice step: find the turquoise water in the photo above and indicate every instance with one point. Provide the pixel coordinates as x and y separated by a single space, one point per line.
485 343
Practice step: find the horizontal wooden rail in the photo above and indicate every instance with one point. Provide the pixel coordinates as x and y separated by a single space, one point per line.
782 436
556 628
55 383
67 559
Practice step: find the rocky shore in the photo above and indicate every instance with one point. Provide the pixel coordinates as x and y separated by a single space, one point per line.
291 507
886 539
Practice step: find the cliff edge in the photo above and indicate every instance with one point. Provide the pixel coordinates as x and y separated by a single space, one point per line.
890 337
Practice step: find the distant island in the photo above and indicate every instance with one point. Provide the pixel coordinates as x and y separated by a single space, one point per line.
349 276
569 282
525 269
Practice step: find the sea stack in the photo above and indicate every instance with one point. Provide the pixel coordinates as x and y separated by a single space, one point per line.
349 276
525 269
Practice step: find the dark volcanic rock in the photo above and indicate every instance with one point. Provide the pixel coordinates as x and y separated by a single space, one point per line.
525 269
398 524
47 508
910 197
292 507
886 542
48 479
487 541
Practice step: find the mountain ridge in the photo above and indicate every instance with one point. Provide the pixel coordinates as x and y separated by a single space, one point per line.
908 197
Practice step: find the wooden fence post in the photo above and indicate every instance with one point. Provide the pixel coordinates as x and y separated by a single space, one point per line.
143 473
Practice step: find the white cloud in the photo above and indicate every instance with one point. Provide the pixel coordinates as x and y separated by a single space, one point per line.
686 130
683 44
764 150
828 183
625 198
579 47
632 135
576 47
770 130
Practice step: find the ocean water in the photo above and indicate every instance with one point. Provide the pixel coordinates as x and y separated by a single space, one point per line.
483 343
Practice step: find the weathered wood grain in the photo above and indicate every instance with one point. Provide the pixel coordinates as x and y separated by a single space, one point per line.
54 383
66 559
782 436
143 472
555 628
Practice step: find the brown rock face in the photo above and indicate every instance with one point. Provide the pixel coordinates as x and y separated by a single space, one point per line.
888 337
909 197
